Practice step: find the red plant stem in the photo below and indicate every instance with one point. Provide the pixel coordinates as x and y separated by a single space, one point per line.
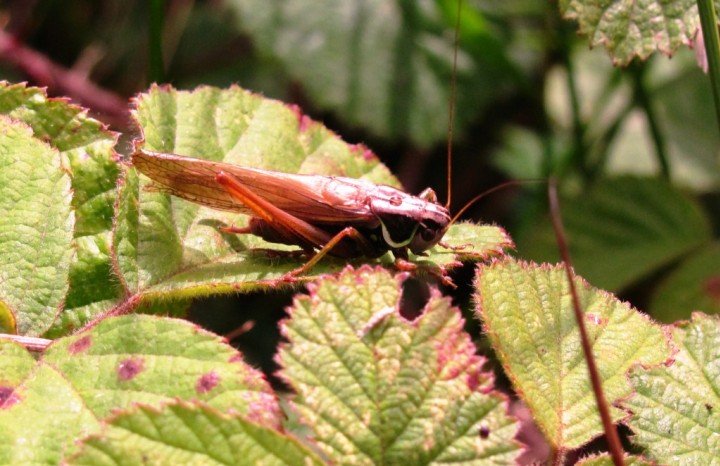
62 81
35 344
611 434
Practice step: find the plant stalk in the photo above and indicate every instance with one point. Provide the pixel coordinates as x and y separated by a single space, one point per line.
708 22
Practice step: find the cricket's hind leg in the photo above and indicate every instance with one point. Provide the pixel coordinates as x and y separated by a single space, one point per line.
276 225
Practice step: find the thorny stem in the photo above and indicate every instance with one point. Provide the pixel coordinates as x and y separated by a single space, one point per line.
34 344
60 80
616 451
708 21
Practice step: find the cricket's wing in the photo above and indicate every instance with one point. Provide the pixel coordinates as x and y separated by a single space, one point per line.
314 198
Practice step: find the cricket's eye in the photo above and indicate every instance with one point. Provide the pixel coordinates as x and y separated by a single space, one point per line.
428 234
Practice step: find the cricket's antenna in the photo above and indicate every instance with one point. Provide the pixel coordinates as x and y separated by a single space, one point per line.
451 117
504 185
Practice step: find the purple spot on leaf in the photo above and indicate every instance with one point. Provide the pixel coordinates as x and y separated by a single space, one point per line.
7 397
80 345
207 382
484 432
129 368
594 319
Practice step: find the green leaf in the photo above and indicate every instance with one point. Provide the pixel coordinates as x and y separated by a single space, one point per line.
93 289
622 230
630 30
675 407
169 248
86 153
41 418
36 228
378 389
143 359
527 314
15 364
183 433
693 286
384 65
46 407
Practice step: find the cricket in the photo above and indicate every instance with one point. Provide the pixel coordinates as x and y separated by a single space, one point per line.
343 217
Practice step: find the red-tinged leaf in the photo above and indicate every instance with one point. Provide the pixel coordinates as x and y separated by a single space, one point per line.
528 316
378 389
185 433
142 359
675 407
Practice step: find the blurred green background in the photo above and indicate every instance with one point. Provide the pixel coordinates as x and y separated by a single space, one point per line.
634 149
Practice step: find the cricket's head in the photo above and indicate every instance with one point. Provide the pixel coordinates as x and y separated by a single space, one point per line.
430 230
433 222
414 222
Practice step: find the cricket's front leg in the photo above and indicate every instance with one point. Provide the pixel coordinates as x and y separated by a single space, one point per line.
403 264
459 247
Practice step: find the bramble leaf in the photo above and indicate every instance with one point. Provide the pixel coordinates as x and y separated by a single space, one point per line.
527 314
36 228
41 418
86 153
45 407
635 29
675 407
606 460
142 359
376 388
184 433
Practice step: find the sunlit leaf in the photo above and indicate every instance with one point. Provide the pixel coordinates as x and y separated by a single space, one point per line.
182 433
36 228
527 314
15 364
630 30
46 406
606 460
378 389
86 154
142 359
675 407
40 419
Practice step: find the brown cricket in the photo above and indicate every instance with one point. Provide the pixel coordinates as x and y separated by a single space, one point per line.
343 217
